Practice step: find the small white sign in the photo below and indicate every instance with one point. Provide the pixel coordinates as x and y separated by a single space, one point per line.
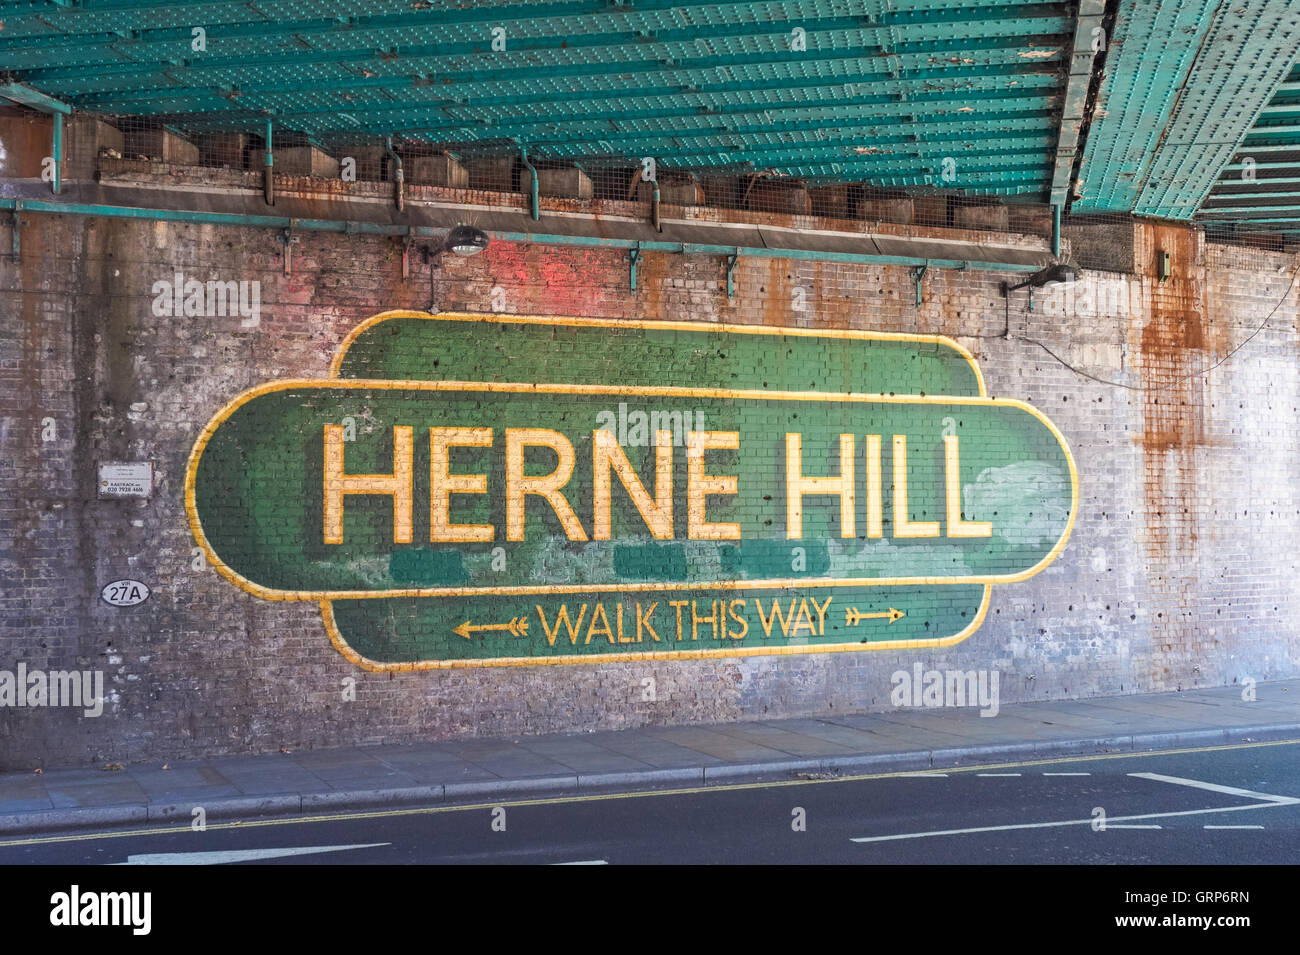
125 593
131 479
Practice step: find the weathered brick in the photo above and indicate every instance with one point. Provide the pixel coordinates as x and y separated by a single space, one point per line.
1169 580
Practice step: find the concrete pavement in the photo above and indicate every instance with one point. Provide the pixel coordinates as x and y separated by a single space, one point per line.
678 756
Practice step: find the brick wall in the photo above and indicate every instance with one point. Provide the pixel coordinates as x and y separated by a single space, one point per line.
1178 572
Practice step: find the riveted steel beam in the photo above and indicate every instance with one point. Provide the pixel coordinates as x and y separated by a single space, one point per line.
1088 41
24 95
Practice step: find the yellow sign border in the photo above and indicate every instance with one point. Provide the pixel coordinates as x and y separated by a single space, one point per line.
267 593
842 334
342 646
325 598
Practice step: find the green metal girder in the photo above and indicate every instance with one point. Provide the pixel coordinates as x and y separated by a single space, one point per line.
883 92
1246 203
274 70
759 83
1268 220
1147 61
386 114
362 37
1241 191
1208 83
1240 188
765 151
34 99
1249 211
1088 27
707 132
109 16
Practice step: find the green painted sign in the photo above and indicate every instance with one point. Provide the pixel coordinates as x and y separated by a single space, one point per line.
473 490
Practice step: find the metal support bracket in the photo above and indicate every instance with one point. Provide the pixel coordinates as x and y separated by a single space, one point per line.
919 274
288 240
633 254
17 224
56 151
732 259
268 167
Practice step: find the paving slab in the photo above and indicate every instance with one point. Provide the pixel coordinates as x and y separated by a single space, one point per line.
661 754
114 793
153 780
31 804
599 762
831 732
345 777
792 744
726 748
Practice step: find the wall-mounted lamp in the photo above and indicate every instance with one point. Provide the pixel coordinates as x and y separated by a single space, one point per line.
1060 274
466 240
463 240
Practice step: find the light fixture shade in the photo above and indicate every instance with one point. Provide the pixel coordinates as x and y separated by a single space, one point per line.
466 240
1060 274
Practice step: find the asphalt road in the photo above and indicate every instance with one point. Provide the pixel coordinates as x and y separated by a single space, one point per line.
1224 805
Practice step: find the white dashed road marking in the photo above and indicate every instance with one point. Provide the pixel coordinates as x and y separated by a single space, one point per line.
1117 822
1232 827
235 855
1216 788
1109 826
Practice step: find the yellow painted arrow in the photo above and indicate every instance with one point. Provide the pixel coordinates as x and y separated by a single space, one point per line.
852 617
518 626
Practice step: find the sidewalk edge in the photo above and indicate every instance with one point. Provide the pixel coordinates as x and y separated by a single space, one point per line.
794 769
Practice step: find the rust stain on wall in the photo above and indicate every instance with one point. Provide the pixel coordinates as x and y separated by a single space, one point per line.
775 294
651 274
1174 343
1174 346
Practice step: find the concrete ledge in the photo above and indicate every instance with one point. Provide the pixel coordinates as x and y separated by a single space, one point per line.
1263 733
951 757
1216 736
1083 747
760 771
53 820
373 798
228 807
878 763
501 787
691 775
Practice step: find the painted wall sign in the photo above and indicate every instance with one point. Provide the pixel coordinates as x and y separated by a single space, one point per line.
473 490
125 593
129 479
